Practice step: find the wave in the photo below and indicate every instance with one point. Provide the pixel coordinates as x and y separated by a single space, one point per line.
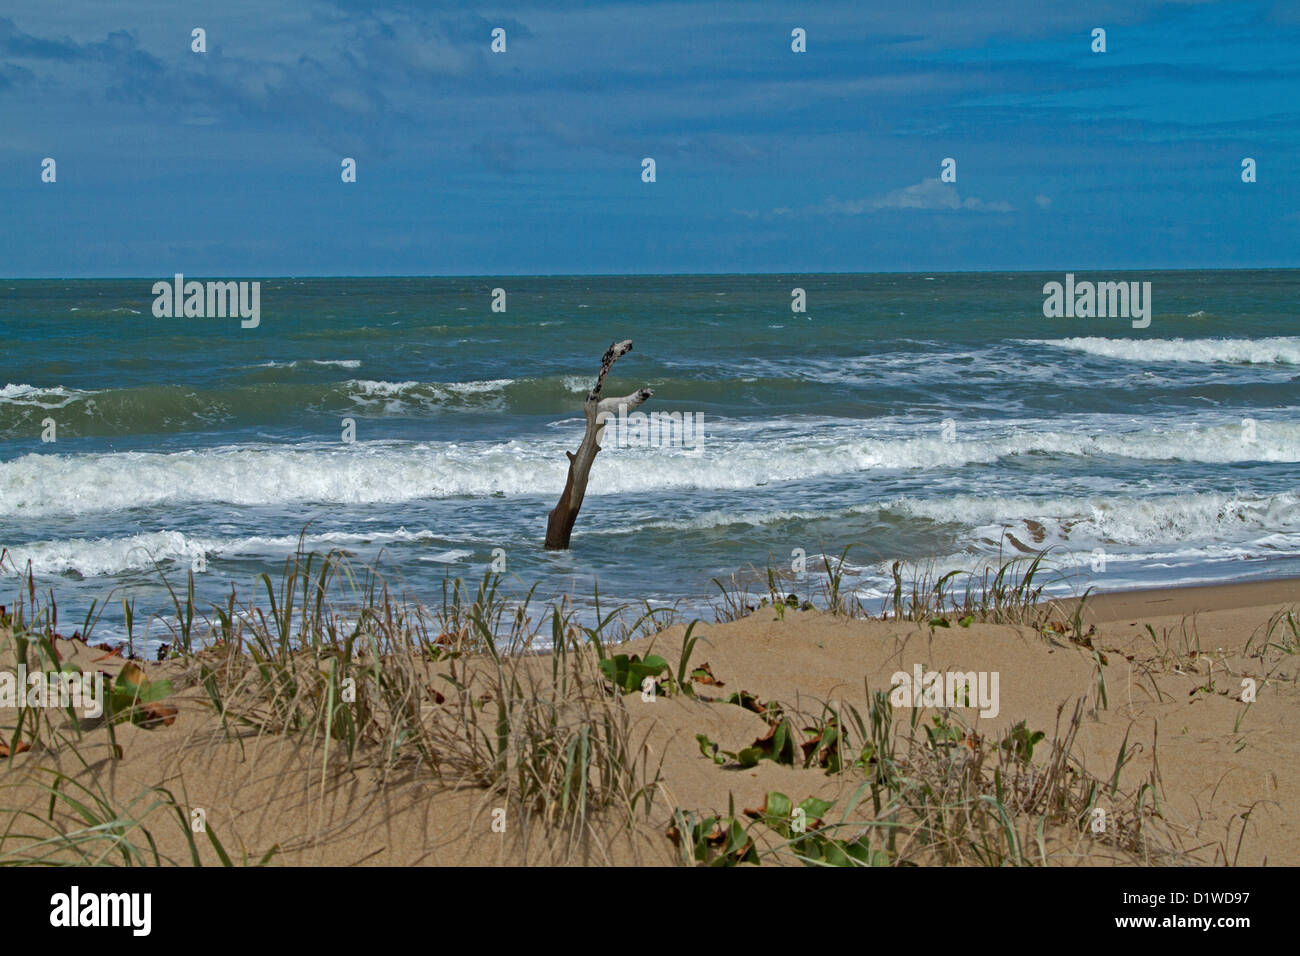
397 397
1124 521
1040 523
1277 350
151 409
379 472
1095 540
1168 529
55 396
87 313
1066 573
930 362
148 409
146 551
154 409
339 363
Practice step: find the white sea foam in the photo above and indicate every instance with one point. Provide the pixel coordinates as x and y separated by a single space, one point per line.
1164 530
1277 350
145 551
1070 573
339 363
712 519
371 389
1141 541
1123 521
1268 522
401 396
447 557
932 362
374 472
53 397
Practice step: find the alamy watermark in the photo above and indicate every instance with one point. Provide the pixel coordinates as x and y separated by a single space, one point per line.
208 300
656 430
923 688
1101 300
60 689
129 910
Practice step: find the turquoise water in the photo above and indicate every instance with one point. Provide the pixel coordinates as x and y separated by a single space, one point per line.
185 437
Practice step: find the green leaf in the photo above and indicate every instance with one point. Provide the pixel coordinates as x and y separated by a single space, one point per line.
815 809
629 673
778 806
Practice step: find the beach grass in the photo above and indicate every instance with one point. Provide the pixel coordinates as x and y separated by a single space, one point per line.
534 711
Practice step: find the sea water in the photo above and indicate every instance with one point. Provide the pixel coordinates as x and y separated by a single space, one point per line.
938 419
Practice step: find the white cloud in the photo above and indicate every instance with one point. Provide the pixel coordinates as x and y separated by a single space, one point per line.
928 194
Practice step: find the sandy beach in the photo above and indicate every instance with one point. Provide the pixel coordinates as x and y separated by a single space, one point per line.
1149 753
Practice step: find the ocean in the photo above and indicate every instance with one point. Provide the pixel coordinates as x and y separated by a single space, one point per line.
937 419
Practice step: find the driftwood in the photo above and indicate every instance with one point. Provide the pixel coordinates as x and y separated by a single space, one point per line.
560 524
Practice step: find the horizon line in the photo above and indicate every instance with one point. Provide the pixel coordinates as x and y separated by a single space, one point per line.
646 275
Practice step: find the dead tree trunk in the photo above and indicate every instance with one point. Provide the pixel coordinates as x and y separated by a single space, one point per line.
560 524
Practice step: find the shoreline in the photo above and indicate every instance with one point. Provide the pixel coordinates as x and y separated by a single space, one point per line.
1169 709
1106 606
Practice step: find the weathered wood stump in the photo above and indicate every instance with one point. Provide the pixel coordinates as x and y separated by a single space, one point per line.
559 526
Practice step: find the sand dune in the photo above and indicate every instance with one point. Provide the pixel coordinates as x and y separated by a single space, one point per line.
1157 676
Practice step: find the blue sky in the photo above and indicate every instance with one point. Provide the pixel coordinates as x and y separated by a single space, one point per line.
529 162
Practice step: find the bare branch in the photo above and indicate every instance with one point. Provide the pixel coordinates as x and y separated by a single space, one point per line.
615 352
559 525
610 406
